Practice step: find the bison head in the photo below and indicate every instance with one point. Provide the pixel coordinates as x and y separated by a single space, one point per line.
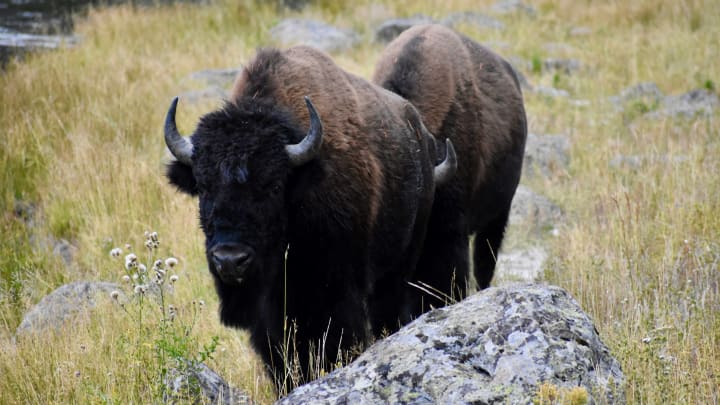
243 162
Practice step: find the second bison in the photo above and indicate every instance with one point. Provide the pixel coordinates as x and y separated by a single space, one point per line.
470 95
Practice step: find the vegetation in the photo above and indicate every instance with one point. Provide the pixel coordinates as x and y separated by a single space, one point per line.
81 146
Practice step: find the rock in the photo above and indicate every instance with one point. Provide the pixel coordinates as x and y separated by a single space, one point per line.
566 66
294 4
699 102
535 210
513 6
551 92
209 93
200 384
223 78
63 304
558 47
25 211
580 31
472 18
638 161
65 251
546 155
520 266
497 346
647 91
317 34
390 29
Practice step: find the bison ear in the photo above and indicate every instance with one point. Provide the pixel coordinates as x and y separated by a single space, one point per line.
181 176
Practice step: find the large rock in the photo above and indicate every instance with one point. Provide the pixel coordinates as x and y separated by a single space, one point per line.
546 155
498 346
317 34
63 304
473 18
513 6
534 210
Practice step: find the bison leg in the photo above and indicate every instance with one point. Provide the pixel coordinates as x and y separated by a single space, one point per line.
442 271
486 248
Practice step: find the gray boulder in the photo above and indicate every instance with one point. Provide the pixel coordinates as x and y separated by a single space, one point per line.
551 92
294 31
546 155
534 210
390 29
497 346
198 383
647 92
223 78
63 304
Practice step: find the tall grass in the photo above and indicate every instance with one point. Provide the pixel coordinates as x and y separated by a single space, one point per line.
80 139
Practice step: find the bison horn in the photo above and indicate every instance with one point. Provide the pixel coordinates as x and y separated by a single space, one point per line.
445 171
179 146
309 147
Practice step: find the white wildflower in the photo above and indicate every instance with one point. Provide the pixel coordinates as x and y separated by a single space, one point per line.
127 246
126 278
174 278
141 268
115 294
158 264
130 261
140 289
149 244
171 262
154 236
116 252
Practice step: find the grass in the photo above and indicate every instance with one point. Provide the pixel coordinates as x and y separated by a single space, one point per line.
81 140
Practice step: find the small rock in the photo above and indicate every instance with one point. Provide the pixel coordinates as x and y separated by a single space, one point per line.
580 31
646 90
546 155
551 92
11 39
223 78
200 384
513 6
313 33
566 66
472 18
390 29
496 346
520 266
209 93
534 210
62 304
558 47
638 161
699 102
65 251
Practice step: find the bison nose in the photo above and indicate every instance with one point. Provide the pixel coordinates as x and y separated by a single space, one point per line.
232 258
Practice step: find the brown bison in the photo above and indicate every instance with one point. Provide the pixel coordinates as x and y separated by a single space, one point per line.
470 95
314 213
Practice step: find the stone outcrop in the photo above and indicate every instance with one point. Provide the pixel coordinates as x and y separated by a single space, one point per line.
498 346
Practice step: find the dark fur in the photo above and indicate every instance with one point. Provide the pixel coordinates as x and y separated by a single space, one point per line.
352 220
466 93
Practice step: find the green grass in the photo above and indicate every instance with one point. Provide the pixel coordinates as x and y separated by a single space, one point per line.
81 139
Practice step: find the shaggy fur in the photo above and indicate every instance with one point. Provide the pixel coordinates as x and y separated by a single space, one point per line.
351 222
466 93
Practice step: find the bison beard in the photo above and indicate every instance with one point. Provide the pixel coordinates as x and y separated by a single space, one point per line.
317 228
468 94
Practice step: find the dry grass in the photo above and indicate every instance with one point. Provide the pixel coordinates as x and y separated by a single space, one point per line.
81 139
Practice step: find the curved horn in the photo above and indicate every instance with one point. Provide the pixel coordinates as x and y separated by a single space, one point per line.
179 146
309 147
445 171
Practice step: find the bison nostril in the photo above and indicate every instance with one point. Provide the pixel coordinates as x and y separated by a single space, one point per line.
232 257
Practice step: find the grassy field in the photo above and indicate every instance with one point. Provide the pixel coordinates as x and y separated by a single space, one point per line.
81 140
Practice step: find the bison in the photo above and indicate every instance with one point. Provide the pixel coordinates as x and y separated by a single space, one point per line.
311 224
470 95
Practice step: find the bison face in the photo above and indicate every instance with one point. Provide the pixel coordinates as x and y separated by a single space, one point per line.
240 163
